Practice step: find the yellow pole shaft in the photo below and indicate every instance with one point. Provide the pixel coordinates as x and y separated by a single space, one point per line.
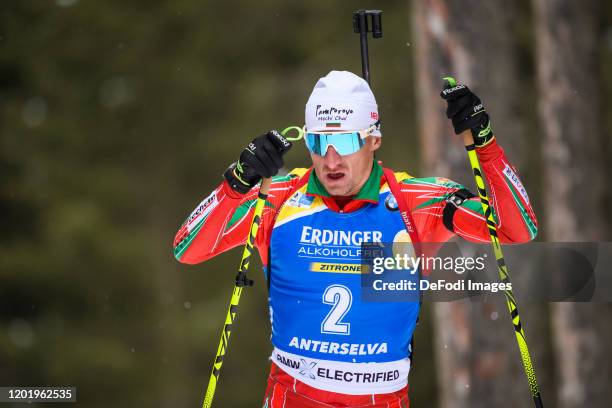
502 269
235 299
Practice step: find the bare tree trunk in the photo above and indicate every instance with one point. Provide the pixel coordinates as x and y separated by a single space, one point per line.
478 362
568 36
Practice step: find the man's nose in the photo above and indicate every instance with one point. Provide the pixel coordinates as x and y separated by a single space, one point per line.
332 158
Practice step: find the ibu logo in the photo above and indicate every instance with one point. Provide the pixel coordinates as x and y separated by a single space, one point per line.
307 368
300 200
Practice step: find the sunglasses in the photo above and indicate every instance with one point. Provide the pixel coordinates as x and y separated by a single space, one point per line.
344 143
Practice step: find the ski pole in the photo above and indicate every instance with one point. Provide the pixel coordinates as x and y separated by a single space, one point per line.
241 280
361 26
502 268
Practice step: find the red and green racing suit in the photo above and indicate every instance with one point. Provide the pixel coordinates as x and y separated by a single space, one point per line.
324 336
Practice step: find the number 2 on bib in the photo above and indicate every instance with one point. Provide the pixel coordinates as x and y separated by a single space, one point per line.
341 299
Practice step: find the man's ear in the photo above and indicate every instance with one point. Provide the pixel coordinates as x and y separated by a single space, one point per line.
375 142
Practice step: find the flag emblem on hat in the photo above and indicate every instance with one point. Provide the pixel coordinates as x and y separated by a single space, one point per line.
334 125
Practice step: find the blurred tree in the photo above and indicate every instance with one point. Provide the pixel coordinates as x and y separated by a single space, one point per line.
569 38
477 356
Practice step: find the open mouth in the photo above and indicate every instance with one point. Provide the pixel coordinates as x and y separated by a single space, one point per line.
335 176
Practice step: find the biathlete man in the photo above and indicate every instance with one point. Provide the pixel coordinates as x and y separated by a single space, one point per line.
330 349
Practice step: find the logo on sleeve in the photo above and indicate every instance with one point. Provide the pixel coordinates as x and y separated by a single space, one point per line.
202 211
516 182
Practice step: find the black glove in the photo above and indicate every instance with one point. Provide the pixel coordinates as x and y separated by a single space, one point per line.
466 112
263 157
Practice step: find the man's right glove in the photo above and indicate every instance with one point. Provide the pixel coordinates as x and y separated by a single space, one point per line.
467 112
263 157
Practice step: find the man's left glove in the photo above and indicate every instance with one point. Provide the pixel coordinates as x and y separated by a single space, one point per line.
466 112
263 157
